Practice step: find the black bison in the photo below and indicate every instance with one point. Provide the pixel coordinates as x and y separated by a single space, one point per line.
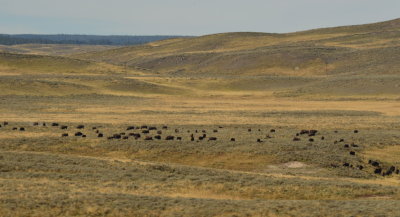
354 145
341 140
249 130
346 145
304 132
346 164
100 135
212 139
296 139
157 137
5 123
147 138
125 137
130 128
176 131
14 128
178 138
64 127
322 138
80 127
165 127
215 131
35 123
54 124
169 138
78 134
378 171
374 163
311 140
259 140
152 128
21 129
360 167
64 135
145 131
352 153
143 127
159 132
272 131
233 139
355 131
117 136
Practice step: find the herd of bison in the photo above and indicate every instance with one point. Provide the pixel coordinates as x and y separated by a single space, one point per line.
145 132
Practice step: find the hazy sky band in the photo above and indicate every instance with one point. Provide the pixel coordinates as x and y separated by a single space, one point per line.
187 17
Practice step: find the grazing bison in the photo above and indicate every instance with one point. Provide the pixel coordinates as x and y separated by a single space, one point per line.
341 140
145 131
374 163
84 136
159 132
152 128
44 124
352 153
14 128
178 138
35 123
272 131
176 131
360 167
322 138
233 139
117 136
296 139
355 131
64 127
54 124
212 139
392 168
5 123
80 127
378 171
147 138
259 140
249 130
97 131
346 164
78 134
170 138
157 137
304 132
354 145
21 129
143 127
165 127
346 145
125 137
64 135
100 135
215 131
130 128
311 140
191 138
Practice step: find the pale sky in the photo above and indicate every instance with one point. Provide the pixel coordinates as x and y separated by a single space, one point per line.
187 17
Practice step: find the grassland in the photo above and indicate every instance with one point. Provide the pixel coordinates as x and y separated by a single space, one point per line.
332 80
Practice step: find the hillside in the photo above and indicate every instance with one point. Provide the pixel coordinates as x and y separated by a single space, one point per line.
362 49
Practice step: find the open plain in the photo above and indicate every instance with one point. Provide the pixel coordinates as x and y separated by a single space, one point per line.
235 124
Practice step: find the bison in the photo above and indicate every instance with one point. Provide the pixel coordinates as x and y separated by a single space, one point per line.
170 138
78 134
130 128
233 139
80 127
64 135
212 139
100 135
64 127
54 124
147 138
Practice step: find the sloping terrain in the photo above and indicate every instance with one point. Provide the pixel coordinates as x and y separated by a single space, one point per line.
371 48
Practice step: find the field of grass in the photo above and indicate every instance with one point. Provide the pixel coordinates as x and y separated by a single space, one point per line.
259 89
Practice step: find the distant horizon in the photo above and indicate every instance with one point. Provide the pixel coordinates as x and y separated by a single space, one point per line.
89 34
187 17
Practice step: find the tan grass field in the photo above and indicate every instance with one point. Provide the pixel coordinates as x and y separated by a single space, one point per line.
258 89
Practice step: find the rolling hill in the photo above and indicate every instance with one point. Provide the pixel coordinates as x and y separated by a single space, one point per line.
363 49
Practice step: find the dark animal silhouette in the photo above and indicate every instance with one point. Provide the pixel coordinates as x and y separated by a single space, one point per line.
78 134
212 139
54 124
355 131
21 129
233 139
169 138
296 139
157 137
152 128
143 127
272 131
352 153
147 138
100 135
145 131
80 127
159 132
64 127
130 128
64 135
